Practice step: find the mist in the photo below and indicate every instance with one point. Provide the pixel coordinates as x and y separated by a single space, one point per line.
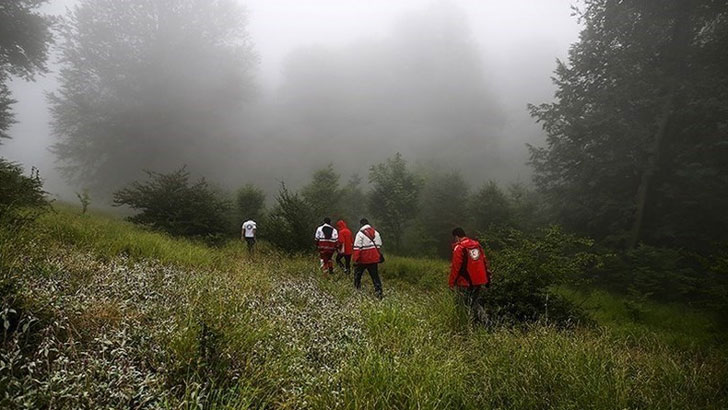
444 83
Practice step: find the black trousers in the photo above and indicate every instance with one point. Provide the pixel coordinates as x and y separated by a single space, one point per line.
251 244
472 299
347 260
373 270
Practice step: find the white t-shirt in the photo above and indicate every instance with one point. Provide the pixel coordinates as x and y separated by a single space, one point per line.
249 228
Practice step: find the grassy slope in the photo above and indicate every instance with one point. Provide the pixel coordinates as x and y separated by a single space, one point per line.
172 323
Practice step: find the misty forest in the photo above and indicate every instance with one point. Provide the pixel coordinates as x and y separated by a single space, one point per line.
543 185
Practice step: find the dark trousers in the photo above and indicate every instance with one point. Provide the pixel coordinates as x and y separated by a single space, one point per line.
347 260
472 299
373 270
251 244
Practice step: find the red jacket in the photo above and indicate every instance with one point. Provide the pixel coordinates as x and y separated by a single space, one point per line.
468 261
346 243
366 250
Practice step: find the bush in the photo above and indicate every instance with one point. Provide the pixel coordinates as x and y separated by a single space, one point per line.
527 268
171 203
18 191
668 275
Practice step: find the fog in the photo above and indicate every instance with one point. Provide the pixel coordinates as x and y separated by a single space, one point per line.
341 81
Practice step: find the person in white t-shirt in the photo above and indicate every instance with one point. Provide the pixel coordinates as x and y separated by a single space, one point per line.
326 238
247 233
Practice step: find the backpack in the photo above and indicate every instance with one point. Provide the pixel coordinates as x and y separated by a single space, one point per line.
474 254
328 232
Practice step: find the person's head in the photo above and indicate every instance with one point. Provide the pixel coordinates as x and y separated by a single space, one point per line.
364 221
327 220
458 233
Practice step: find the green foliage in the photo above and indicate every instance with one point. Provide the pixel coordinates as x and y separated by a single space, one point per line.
639 124
290 224
24 43
353 200
429 274
171 203
527 209
527 267
394 196
85 199
672 323
18 191
443 206
250 202
494 209
491 208
667 275
323 194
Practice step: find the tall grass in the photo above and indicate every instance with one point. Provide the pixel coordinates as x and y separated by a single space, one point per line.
122 317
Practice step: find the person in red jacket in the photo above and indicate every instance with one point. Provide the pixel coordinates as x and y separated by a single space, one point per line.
345 246
469 273
367 256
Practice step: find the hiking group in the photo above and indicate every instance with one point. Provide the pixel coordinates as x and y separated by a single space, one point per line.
469 268
363 250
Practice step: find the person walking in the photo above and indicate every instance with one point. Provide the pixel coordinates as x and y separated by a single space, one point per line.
469 273
345 246
326 239
368 256
247 233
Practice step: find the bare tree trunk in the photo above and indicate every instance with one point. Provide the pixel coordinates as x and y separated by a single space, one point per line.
652 164
676 66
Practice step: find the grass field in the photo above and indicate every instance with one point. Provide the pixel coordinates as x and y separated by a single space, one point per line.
99 313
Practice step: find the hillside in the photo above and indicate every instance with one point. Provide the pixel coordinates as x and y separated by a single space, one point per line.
99 313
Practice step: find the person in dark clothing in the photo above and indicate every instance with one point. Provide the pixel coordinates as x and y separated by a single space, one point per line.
367 256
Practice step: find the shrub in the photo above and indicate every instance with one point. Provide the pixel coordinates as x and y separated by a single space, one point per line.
527 268
85 199
171 203
668 275
18 191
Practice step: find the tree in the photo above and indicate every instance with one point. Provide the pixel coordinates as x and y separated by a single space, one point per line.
85 199
353 200
323 194
443 206
24 39
528 212
250 201
173 204
290 224
149 85
393 199
491 208
638 131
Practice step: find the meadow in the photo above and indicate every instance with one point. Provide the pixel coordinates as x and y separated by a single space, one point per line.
100 313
